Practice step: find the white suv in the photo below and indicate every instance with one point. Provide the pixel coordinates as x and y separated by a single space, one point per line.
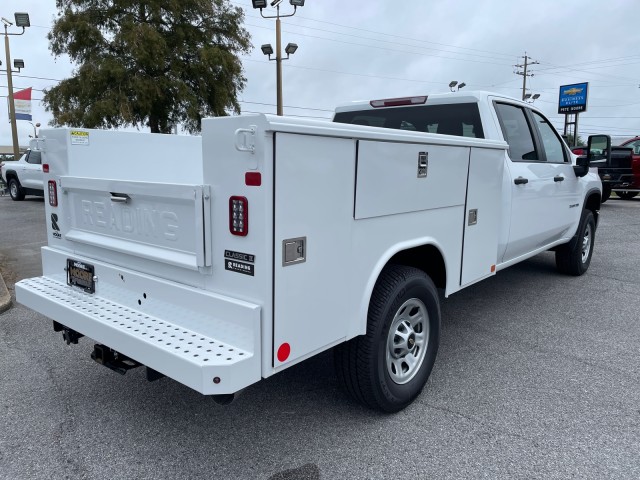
24 177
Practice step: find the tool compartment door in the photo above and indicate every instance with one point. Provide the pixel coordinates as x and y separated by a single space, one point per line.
482 215
313 190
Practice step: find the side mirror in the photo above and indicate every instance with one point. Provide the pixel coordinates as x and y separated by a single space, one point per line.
581 168
599 149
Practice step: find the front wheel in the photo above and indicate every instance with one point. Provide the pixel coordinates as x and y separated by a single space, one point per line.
574 257
625 195
15 190
387 368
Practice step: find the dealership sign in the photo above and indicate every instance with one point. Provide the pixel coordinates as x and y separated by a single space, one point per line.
573 98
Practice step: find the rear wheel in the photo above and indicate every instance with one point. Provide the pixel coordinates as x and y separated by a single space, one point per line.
15 190
627 195
574 258
387 368
606 193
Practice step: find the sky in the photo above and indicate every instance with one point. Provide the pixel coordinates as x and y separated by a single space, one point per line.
371 49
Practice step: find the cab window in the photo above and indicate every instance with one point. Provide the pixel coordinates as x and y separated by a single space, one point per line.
34 157
517 133
553 148
462 119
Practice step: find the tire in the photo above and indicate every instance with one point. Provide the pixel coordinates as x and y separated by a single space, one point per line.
627 195
387 368
574 258
606 193
15 190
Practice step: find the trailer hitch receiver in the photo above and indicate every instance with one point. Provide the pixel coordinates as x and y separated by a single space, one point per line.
113 360
68 335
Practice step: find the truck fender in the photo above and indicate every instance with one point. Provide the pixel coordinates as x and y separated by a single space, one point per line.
592 201
10 173
359 327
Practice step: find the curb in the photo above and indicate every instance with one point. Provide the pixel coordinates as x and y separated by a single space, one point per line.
5 297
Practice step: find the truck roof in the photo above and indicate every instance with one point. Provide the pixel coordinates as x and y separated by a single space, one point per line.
477 96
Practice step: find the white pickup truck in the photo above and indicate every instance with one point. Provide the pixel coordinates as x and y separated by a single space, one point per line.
279 238
24 177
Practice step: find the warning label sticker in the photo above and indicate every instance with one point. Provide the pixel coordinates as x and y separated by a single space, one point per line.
78 137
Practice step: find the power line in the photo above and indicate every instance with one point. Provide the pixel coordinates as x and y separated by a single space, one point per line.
383 33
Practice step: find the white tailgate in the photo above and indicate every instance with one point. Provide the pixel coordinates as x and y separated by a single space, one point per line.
167 223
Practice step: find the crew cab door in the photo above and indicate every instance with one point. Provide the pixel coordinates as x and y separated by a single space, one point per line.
31 173
544 188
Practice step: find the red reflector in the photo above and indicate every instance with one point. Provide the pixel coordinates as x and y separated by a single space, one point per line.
53 193
253 179
45 167
239 216
493 269
283 352
396 102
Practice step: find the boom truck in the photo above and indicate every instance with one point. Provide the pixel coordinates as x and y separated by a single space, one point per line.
277 238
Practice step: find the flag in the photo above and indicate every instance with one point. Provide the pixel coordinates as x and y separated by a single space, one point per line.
22 102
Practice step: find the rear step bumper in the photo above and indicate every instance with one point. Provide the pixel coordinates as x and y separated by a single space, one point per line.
172 343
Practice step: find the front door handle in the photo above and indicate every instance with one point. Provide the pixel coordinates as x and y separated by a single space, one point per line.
558 178
521 181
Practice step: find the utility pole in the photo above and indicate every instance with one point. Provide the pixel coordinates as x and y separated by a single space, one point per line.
525 73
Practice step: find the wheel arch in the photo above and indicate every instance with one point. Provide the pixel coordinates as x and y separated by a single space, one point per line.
9 174
424 254
593 201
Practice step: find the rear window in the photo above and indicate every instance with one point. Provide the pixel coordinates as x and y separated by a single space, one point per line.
460 119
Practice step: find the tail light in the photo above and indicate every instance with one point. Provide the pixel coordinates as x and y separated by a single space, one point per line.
45 167
239 216
53 193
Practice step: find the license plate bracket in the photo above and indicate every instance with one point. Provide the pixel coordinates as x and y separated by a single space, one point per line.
81 275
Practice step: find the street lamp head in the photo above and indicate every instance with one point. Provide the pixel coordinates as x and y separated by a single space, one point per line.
462 85
536 96
18 63
297 3
267 49
453 84
259 3
291 48
22 19
527 96
6 22
275 3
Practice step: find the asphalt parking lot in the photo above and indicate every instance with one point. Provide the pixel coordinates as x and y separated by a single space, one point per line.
538 376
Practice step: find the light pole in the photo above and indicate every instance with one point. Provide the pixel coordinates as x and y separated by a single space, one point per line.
35 133
268 49
22 20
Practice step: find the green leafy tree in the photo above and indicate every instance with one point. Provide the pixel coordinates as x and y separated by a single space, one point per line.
147 62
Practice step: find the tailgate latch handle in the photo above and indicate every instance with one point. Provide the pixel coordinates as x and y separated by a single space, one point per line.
245 139
120 197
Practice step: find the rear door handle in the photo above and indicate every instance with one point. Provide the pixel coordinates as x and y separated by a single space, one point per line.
521 181
558 178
